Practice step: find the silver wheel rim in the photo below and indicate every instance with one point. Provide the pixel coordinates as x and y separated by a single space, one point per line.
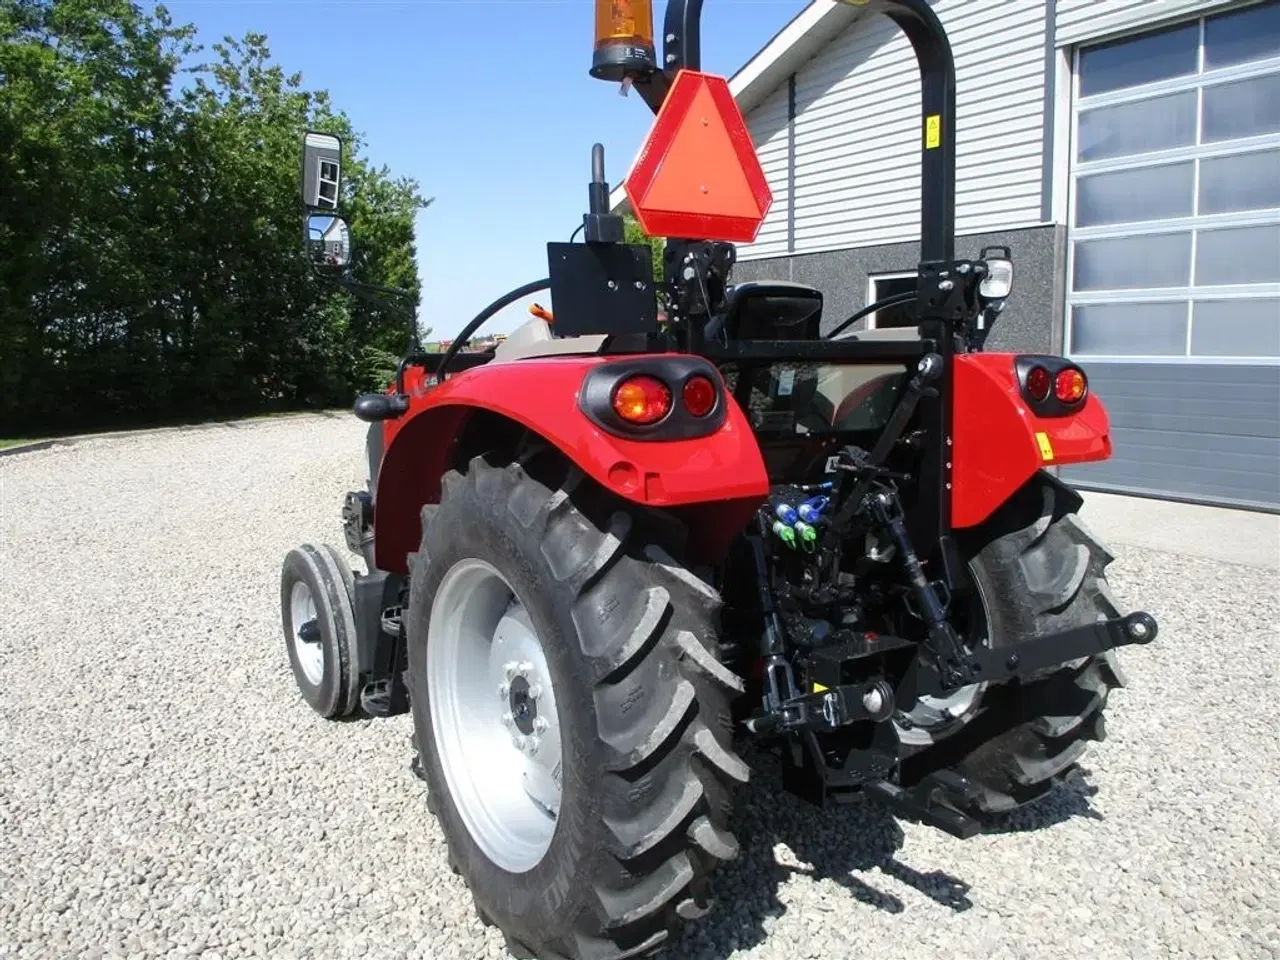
493 712
304 633
934 715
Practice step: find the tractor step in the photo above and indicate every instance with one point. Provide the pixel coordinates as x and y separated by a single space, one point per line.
385 698
933 802
357 520
392 618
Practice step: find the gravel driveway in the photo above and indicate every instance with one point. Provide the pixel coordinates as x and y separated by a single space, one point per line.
164 791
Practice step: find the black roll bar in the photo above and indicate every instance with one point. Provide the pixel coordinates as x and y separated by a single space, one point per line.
682 37
682 49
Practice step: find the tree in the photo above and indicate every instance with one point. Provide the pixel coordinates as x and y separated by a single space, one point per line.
635 234
151 262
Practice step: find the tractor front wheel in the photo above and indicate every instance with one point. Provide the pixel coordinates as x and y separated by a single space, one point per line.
317 614
571 716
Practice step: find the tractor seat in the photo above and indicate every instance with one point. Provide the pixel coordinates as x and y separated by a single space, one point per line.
768 310
783 395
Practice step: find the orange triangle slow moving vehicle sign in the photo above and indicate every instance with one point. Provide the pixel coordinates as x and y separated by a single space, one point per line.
697 177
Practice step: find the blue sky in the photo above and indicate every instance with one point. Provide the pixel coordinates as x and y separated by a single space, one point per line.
488 104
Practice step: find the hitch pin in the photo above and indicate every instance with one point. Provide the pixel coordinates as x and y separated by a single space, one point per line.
829 709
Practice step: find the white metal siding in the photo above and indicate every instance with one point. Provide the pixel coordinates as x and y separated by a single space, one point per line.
1079 20
857 130
769 132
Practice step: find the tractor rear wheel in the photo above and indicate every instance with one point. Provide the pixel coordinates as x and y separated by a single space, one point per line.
571 716
1038 570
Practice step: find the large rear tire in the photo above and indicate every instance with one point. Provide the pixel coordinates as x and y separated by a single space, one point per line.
1038 570
613 652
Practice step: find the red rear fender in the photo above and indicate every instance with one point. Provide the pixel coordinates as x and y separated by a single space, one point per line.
999 443
714 482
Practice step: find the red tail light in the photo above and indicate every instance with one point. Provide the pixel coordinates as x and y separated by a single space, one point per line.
1070 385
699 396
1038 383
642 400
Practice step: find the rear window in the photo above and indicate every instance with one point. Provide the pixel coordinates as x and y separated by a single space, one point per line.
795 399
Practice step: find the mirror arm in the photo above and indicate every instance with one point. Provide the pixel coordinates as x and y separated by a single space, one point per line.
369 292
395 292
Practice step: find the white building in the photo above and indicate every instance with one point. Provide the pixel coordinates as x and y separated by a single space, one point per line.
1128 151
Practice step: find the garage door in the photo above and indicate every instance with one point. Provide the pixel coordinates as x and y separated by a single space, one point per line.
1174 258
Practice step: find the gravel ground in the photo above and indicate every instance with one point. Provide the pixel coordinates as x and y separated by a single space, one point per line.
164 791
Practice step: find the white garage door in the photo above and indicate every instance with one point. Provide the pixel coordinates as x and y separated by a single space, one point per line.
1174 264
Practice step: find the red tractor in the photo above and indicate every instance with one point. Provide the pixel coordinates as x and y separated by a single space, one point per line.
608 552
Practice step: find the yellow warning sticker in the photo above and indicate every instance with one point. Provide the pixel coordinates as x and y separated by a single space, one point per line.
932 131
818 688
1046 448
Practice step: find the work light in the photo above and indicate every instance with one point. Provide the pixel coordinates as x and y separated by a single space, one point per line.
624 39
998 283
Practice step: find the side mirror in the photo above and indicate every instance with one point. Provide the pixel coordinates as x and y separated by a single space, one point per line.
328 242
321 170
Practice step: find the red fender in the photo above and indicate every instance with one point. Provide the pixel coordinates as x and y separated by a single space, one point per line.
715 483
999 444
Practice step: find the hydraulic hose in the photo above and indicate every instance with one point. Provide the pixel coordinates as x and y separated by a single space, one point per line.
467 332
892 301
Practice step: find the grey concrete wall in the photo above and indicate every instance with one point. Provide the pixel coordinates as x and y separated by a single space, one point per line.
1031 322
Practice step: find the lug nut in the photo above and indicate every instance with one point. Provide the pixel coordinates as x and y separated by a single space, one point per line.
511 668
520 740
524 668
535 690
540 724
504 690
508 720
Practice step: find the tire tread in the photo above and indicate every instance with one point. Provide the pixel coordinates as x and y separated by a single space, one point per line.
673 764
1053 558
